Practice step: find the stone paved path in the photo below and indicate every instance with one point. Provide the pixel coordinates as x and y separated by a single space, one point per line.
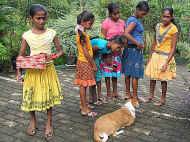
170 123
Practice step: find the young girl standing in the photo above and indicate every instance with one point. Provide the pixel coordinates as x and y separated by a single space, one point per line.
133 66
111 27
161 65
86 67
41 87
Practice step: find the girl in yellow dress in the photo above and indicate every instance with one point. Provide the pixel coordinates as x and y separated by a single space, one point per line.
161 64
41 87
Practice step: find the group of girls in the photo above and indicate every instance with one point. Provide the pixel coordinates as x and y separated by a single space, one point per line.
119 51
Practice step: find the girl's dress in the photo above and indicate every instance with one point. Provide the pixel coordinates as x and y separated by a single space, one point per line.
160 54
113 29
41 87
84 72
102 49
132 60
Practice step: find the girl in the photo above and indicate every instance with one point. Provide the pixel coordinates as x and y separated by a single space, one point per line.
161 65
86 66
41 88
133 55
111 27
100 47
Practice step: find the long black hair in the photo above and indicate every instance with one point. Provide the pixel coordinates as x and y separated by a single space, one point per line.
35 8
119 39
143 6
84 17
112 7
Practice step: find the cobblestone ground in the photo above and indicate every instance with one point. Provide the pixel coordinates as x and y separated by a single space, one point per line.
170 123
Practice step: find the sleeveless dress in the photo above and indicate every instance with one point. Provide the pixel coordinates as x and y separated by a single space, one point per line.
41 88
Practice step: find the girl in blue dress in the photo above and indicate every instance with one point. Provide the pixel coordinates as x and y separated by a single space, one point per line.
132 62
102 47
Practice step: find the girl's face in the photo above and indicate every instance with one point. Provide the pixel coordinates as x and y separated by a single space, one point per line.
115 15
140 14
39 19
115 47
88 24
166 17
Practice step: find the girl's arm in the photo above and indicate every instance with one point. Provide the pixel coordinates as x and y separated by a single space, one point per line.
57 44
21 53
128 30
23 47
104 32
173 48
172 51
88 57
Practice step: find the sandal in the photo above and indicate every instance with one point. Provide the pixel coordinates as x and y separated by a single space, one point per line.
98 103
159 103
49 135
148 100
89 114
31 132
102 99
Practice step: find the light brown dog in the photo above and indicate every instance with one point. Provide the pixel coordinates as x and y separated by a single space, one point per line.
110 123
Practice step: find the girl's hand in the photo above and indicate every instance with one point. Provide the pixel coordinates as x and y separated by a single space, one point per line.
164 67
94 68
18 75
141 46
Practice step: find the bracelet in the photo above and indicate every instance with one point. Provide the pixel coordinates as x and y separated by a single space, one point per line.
53 56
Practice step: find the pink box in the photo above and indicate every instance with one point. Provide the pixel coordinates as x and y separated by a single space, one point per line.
31 62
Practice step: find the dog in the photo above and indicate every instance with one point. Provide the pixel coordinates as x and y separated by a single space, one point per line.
110 123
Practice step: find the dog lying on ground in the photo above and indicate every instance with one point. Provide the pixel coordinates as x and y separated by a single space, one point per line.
110 123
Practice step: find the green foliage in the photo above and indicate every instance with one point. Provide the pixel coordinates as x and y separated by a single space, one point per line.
62 18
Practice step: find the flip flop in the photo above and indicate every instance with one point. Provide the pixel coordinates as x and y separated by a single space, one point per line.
159 104
31 132
98 103
89 114
148 100
49 135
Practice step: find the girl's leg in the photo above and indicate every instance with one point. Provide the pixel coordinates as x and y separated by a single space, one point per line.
135 87
114 84
31 130
107 80
92 94
164 91
127 85
99 89
83 101
152 88
49 127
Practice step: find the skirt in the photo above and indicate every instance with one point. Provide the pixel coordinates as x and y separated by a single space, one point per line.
113 69
132 62
41 89
153 68
85 76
